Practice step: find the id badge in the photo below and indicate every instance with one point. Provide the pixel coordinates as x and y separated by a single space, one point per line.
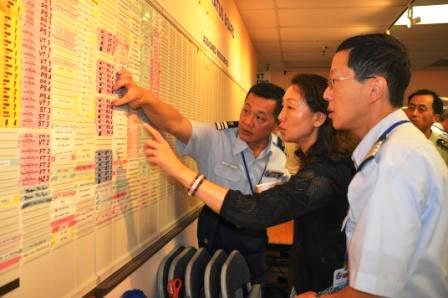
340 278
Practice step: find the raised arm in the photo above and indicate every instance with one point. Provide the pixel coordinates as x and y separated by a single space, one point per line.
161 114
305 192
159 153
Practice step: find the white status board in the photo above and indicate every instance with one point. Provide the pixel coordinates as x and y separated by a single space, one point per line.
77 197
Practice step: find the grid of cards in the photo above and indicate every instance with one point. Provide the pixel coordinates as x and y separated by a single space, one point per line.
72 163
64 149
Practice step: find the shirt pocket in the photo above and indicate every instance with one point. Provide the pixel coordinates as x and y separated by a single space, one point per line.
228 171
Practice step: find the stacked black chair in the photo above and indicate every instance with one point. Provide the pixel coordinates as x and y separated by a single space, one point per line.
194 274
185 272
212 275
235 278
178 267
162 271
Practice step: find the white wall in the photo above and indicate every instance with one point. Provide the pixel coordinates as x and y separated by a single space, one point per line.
144 278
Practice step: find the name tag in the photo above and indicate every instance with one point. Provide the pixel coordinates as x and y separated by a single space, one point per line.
340 278
273 174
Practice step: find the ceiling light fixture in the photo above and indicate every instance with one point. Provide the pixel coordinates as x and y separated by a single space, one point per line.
422 15
410 17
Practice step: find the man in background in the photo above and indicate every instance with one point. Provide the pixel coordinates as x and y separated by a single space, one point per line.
424 109
238 155
443 121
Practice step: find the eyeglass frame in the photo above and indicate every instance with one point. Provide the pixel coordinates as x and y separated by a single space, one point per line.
331 81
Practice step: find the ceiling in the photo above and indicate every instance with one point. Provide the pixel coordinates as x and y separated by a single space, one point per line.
296 34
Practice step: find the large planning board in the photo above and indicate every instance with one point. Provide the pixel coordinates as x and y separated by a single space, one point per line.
77 197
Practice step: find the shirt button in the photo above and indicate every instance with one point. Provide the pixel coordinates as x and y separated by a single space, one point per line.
205 240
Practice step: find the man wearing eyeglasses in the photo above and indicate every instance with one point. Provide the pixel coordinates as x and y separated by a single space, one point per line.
397 224
424 109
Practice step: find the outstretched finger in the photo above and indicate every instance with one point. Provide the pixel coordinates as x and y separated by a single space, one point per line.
153 132
121 101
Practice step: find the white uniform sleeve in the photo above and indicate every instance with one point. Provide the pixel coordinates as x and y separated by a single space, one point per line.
387 231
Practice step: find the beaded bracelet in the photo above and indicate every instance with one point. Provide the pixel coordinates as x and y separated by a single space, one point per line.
195 184
192 182
199 184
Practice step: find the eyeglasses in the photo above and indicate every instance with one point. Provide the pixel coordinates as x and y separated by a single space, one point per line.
331 81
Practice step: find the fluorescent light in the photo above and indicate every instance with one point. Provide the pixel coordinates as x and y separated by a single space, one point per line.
428 14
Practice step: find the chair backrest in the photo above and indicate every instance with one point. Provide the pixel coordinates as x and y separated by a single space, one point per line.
212 275
235 277
179 265
162 271
194 274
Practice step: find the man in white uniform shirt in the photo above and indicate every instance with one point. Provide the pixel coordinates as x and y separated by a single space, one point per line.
424 109
397 225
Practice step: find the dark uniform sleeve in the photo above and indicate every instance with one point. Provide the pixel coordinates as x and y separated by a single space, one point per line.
312 188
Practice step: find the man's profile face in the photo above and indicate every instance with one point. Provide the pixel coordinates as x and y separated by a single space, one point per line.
257 119
420 111
347 104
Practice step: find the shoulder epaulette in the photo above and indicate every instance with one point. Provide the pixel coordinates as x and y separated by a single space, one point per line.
226 125
442 142
439 129
279 142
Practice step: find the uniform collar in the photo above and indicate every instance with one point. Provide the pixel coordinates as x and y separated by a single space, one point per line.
374 133
241 146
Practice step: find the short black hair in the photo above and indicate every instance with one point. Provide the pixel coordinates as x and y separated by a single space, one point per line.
437 104
269 91
380 54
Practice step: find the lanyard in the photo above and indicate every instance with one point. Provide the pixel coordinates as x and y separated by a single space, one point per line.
377 145
247 172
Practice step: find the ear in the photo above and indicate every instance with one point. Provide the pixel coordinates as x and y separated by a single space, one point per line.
436 118
319 119
378 88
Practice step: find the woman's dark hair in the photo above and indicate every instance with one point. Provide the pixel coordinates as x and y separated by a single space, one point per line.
331 144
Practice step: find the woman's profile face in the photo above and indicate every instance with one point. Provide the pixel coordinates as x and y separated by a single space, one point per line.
298 123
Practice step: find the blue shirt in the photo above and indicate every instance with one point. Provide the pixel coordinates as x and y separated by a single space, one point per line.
397 226
218 155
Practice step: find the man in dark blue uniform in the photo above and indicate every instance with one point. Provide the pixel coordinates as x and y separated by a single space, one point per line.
238 155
